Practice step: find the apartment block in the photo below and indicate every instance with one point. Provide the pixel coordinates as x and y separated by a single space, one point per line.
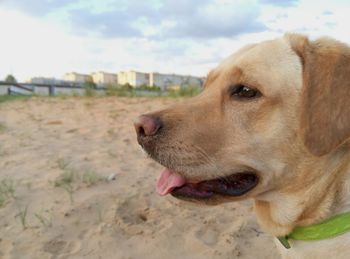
77 78
133 78
164 81
45 81
102 78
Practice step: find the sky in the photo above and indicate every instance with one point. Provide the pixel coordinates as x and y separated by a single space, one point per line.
51 37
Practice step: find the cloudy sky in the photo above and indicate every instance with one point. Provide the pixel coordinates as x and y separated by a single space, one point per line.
51 37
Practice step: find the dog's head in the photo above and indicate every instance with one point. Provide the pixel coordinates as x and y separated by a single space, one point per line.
264 112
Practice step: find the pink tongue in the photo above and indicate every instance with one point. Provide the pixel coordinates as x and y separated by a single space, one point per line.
169 180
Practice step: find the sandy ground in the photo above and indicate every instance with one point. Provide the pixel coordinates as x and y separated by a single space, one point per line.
56 155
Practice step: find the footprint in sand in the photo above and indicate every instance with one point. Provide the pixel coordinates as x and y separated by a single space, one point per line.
61 249
54 246
130 213
208 236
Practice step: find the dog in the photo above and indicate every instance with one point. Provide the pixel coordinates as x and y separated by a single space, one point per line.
272 124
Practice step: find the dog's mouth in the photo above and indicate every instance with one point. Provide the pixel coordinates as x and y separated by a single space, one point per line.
233 185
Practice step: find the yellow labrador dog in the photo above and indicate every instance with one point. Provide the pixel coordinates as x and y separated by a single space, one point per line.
271 124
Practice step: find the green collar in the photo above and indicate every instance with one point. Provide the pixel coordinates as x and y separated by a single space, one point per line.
332 227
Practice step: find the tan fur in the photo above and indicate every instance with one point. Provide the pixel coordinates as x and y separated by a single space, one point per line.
293 136
326 80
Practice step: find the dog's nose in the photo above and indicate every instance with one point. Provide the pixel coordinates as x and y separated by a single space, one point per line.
147 125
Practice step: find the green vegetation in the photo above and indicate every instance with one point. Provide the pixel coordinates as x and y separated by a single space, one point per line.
112 90
10 79
22 214
67 177
70 179
6 98
46 221
120 90
2 127
7 190
91 178
65 181
149 88
90 88
185 91
62 163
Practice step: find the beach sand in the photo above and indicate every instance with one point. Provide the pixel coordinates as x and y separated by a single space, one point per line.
56 155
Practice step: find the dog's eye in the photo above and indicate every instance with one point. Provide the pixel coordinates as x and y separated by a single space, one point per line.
244 92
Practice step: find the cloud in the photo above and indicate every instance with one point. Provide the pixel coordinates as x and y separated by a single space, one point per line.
327 12
283 3
182 36
157 18
35 7
217 19
108 24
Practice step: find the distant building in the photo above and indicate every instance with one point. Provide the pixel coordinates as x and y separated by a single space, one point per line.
164 81
133 78
195 81
103 78
77 78
46 81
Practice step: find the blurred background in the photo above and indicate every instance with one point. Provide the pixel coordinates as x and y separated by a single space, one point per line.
52 37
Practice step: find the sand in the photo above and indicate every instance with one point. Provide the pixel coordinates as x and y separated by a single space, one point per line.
58 153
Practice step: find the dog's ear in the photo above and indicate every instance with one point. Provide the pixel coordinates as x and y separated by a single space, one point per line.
325 100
